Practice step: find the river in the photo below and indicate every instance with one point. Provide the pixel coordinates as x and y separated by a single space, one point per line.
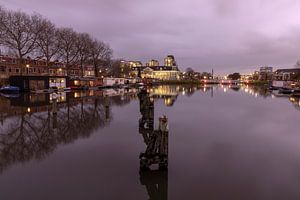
224 143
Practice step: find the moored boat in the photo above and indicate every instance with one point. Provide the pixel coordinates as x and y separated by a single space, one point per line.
296 93
286 91
10 89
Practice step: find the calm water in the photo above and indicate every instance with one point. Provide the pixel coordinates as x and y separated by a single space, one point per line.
224 143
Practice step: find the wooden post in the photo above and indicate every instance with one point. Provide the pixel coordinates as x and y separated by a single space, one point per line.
106 104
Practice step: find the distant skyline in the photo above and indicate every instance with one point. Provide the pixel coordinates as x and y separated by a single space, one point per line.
226 35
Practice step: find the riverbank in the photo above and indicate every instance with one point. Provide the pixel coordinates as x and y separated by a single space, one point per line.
181 82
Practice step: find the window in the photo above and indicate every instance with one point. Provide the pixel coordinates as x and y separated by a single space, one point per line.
9 69
2 68
17 70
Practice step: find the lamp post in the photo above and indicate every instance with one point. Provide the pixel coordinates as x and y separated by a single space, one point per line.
27 68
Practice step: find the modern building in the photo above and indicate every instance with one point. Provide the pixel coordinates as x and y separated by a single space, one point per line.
265 73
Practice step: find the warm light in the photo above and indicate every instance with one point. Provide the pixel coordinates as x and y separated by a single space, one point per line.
28 110
27 65
60 69
76 94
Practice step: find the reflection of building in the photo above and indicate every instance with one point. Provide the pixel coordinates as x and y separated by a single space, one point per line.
155 181
295 101
34 127
156 140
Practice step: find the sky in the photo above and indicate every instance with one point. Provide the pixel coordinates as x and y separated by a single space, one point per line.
226 35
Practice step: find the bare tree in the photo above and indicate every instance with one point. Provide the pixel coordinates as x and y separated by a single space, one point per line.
68 51
84 45
25 35
47 41
2 15
101 53
19 33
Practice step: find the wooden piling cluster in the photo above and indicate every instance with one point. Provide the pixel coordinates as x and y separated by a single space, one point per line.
156 140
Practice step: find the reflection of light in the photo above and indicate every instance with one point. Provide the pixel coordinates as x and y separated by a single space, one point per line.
28 109
292 99
204 89
273 96
76 94
183 92
246 90
225 89
168 101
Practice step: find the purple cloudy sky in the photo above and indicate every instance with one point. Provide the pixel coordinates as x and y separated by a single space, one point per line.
227 35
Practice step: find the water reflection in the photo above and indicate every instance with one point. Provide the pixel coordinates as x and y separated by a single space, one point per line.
156 153
33 125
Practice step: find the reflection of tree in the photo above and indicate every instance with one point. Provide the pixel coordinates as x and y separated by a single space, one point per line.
33 136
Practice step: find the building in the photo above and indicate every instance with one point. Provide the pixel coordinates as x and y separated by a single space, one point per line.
152 63
11 66
161 73
287 74
33 83
265 73
133 64
153 70
170 61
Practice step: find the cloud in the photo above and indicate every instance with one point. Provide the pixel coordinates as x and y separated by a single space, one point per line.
225 34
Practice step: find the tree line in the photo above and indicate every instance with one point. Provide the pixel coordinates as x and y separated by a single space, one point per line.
35 36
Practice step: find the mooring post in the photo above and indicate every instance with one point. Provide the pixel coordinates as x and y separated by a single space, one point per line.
163 130
54 104
106 104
